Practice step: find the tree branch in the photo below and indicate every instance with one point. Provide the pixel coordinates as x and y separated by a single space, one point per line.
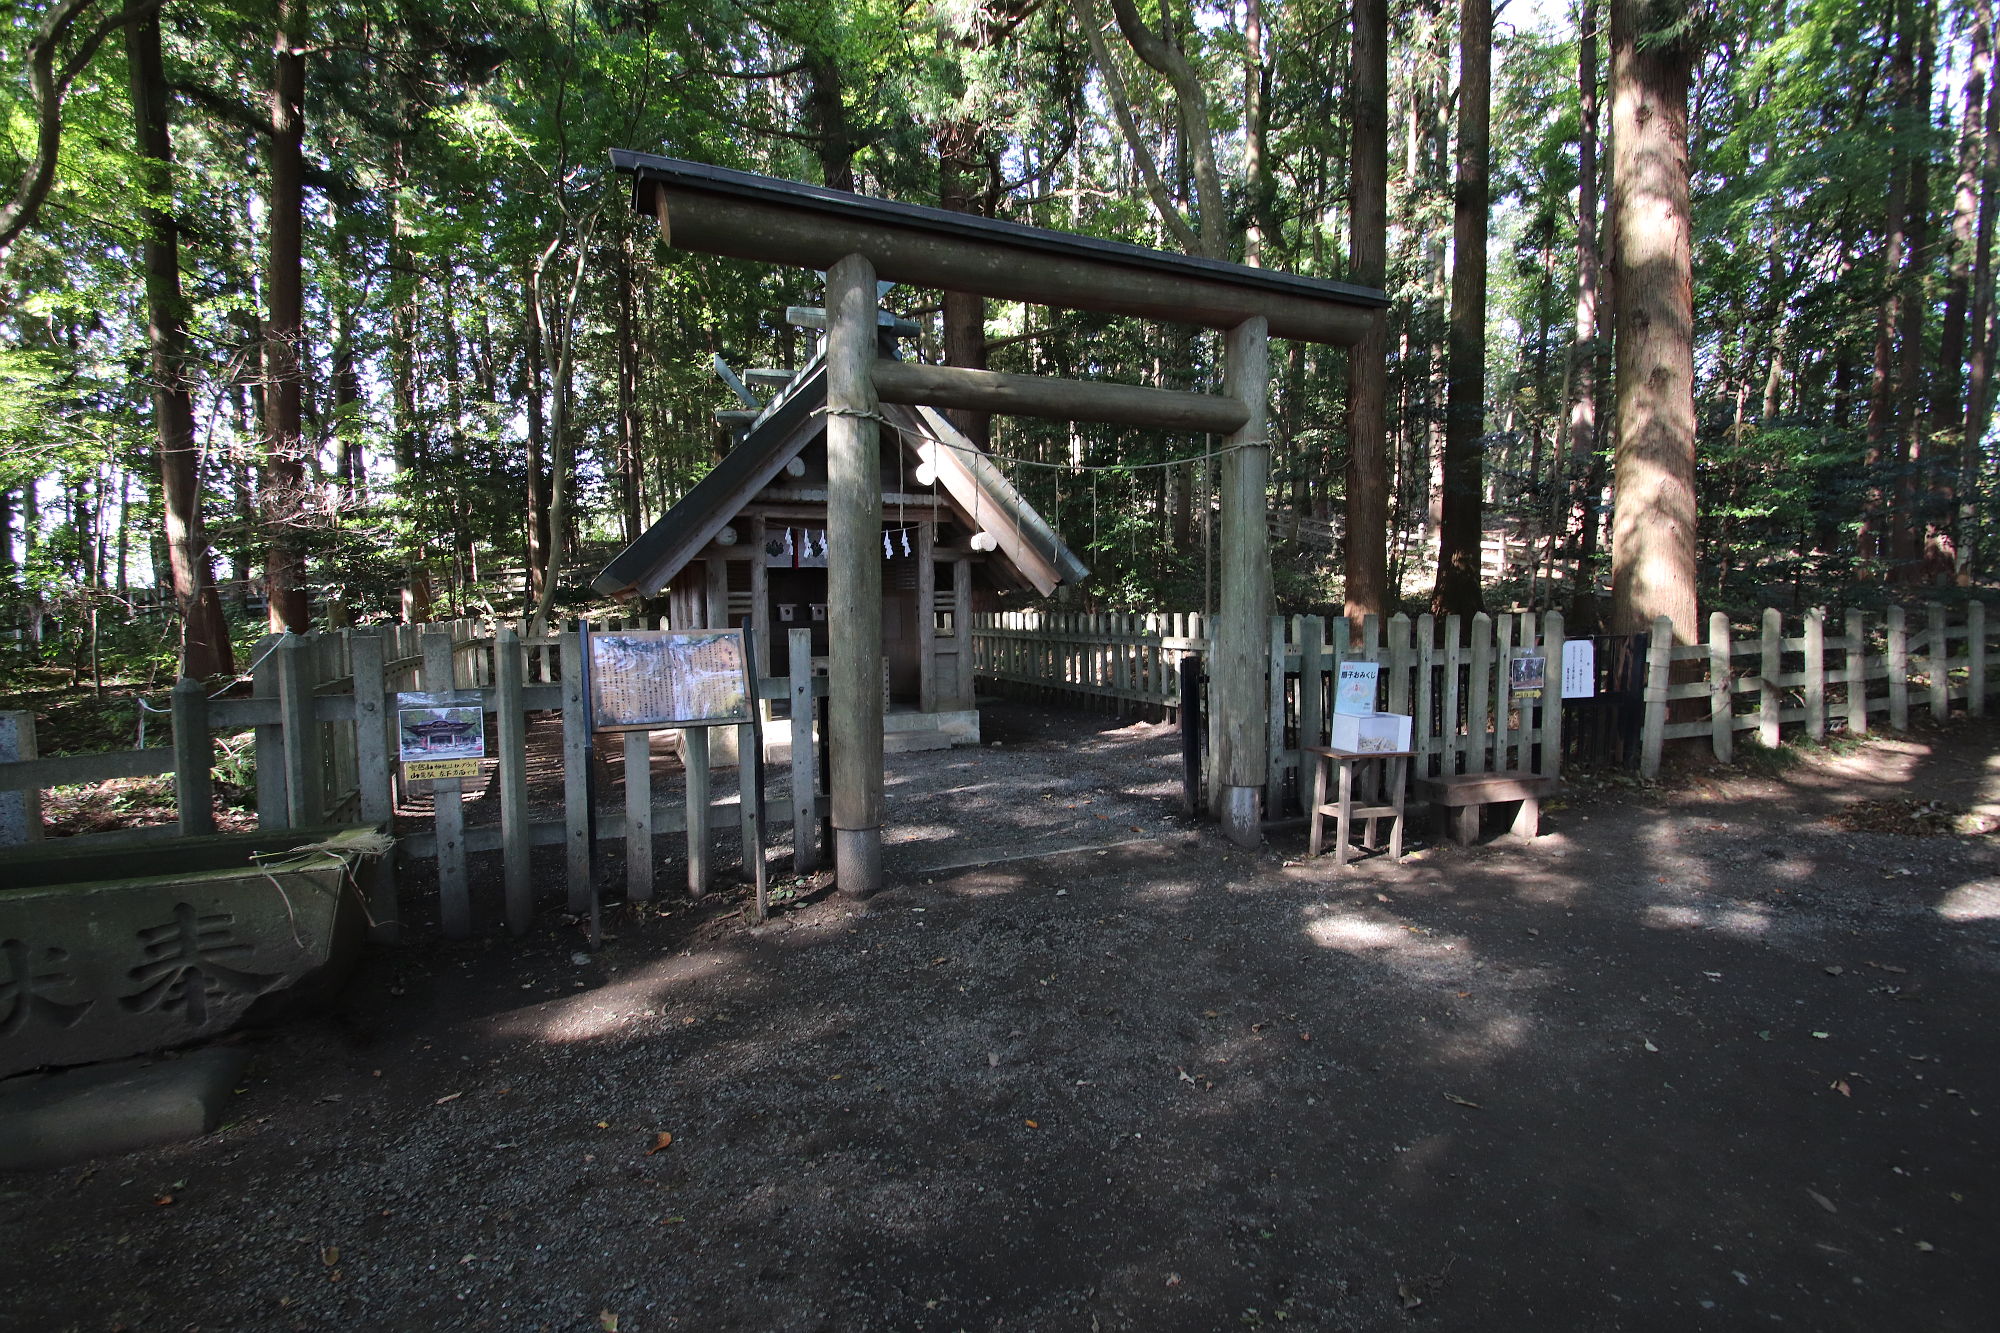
1192 101
49 85
1142 155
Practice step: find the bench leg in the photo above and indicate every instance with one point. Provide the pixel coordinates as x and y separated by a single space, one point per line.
1343 827
1528 819
1317 837
1465 824
1397 776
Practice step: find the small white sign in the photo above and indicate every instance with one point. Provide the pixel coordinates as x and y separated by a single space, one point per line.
1579 669
1354 689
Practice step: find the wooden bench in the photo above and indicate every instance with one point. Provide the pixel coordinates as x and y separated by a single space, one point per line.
1462 796
1386 805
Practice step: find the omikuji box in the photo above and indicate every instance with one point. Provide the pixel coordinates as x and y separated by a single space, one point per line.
1370 733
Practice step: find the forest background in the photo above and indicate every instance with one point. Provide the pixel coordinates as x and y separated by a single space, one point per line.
323 313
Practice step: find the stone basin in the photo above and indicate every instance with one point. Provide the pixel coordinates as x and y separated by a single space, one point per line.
113 952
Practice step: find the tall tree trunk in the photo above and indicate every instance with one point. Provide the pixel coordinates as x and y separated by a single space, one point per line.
826 109
1367 260
538 465
205 649
284 489
1947 396
961 163
1906 519
1260 228
1465 401
1872 546
1653 521
629 475
1979 357
1581 444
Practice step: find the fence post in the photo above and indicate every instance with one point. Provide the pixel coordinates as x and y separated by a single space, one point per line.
1659 668
694 756
194 759
295 705
20 811
639 807
373 779
1816 674
1425 729
1770 659
1480 700
1975 659
1312 686
1552 710
1721 688
1503 653
1275 752
509 670
805 807
576 774
272 807
1856 625
1899 670
1454 654
448 812
1939 664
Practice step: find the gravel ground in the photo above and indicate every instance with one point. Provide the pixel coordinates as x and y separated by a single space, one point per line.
1715 1054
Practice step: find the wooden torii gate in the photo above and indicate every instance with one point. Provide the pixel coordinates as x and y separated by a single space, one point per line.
855 240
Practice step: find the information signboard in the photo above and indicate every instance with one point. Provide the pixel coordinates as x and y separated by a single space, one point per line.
1579 678
1354 688
668 678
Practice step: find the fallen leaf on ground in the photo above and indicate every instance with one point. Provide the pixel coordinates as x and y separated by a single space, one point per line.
1822 1200
1457 1100
1925 1246
1031 1124
1649 1045
330 1255
660 1141
163 1201
607 1321
1839 1085
1410 1298
1173 1279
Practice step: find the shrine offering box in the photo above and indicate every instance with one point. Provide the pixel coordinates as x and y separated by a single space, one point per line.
1371 733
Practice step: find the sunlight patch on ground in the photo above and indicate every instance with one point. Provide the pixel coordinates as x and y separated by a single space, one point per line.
606 1009
1735 918
1408 948
1487 1038
1166 893
1975 900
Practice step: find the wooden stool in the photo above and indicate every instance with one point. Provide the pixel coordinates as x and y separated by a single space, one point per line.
1396 765
1460 797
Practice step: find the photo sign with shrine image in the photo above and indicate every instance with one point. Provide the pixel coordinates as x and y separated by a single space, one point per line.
668 678
440 735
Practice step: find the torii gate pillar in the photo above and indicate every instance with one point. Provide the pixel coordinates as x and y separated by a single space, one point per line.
854 577
1236 673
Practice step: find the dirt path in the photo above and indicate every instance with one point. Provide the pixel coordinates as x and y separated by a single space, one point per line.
1700 1057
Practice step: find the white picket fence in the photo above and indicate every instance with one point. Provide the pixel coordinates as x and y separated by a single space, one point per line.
1795 676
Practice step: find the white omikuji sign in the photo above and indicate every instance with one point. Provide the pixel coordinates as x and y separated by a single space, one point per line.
1354 690
1579 669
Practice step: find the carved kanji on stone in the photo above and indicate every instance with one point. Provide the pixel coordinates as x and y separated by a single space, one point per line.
183 968
24 990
